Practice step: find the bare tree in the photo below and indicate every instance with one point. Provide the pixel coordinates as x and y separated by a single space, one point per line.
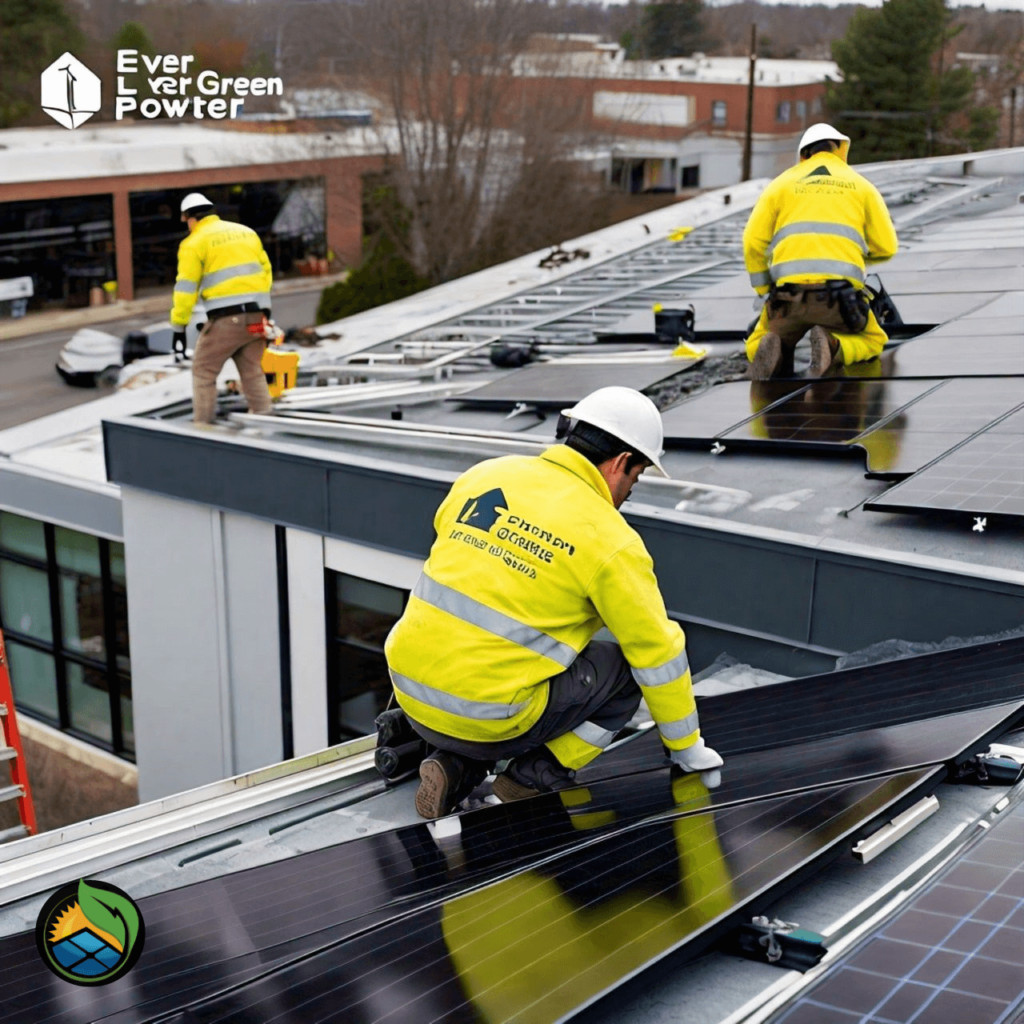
465 127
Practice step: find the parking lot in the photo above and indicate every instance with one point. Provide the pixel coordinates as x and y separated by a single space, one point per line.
30 386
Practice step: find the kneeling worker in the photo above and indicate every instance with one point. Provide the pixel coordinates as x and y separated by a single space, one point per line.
224 264
806 245
493 656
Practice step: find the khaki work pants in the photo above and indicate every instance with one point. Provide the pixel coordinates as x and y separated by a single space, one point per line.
791 314
220 340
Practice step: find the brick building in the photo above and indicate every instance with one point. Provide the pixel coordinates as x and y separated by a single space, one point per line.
100 203
679 123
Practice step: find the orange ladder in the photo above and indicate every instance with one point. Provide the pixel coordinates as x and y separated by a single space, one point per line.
10 750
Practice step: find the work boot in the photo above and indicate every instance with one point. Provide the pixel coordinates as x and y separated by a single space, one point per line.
445 781
825 352
537 771
767 359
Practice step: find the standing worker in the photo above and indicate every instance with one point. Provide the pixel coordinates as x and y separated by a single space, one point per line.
806 245
226 265
493 656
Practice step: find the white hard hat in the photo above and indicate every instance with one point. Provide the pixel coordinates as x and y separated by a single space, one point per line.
626 414
821 131
194 199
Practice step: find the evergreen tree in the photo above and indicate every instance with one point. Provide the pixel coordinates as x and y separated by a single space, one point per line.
896 99
669 28
33 34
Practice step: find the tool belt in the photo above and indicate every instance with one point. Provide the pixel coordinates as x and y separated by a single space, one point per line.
853 302
242 307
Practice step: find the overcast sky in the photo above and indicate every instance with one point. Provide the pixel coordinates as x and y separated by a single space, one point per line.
998 5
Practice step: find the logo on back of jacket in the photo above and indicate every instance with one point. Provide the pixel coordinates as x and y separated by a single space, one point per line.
523 546
820 180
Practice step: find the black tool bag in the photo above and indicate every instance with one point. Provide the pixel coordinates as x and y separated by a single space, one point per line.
399 747
853 304
675 325
882 305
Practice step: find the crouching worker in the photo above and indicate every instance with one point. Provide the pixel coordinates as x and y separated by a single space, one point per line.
493 658
806 244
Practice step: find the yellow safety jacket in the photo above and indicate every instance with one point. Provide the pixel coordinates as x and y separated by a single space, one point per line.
531 559
818 221
225 264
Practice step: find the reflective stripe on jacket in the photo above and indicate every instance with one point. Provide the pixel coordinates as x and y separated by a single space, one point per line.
225 264
531 559
818 221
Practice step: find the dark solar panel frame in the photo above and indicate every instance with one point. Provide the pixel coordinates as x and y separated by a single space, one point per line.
955 953
982 477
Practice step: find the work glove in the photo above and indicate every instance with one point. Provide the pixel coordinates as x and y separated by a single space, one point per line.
697 758
178 345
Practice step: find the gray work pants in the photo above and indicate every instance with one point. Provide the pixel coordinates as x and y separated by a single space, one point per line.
220 340
597 687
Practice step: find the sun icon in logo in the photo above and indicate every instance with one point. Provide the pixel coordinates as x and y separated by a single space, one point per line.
90 933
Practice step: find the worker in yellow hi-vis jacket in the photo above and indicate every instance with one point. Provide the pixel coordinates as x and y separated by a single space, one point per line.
224 264
806 245
494 658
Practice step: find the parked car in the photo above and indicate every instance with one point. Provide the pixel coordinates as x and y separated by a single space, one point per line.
94 358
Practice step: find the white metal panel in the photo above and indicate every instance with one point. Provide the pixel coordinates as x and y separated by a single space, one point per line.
250 586
176 638
308 628
644 107
384 567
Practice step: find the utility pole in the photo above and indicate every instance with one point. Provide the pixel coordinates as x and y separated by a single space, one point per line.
1013 111
748 140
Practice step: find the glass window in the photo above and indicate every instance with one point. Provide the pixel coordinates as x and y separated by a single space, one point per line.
89 701
366 610
81 607
22 536
70 686
718 112
360 687
801 110
127 718
77 551
783 112
34 679
117 561
25 601
816 105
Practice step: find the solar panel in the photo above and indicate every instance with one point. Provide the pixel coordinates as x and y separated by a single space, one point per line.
208 936
983 477
1005 256
827 413
849 701
974 327
558 385
943 418
955 953
1009 304
965 279
542 943
704 417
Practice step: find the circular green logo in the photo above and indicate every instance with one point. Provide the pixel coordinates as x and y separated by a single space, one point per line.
90 933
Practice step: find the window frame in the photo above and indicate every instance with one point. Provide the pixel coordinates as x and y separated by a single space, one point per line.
63 656
335 643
